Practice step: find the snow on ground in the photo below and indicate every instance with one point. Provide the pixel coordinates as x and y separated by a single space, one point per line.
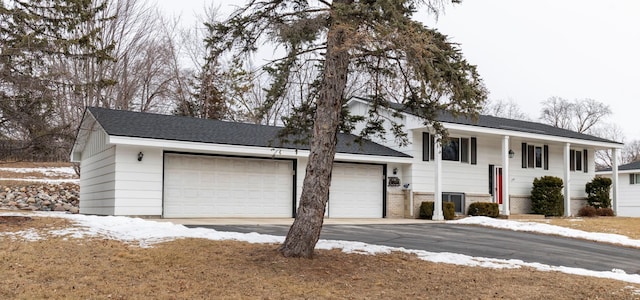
550 229
145 233
52 181
68 174
52 171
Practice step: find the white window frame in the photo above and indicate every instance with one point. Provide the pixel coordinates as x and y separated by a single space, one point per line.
634 178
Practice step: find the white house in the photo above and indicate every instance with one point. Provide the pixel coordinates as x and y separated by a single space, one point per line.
491 159
142 164
628 204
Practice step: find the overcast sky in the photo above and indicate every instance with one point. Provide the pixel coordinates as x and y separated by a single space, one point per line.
528 51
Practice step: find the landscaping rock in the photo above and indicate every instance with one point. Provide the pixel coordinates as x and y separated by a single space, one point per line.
41 196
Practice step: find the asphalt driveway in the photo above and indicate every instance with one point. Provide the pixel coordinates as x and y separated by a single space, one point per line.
475 241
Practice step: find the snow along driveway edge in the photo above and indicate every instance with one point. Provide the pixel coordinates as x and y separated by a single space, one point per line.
146 233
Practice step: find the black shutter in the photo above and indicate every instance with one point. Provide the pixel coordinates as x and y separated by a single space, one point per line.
431 146
425 146
631 178
572 160
524 155
491 169
586 160
474 151
546 157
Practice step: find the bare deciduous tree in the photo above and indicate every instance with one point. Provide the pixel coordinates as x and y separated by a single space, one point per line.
556 112
610 131
580 115
505 109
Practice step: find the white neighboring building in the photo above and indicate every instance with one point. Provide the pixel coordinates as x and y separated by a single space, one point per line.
628 189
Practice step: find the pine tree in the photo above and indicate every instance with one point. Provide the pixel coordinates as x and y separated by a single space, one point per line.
39 38
371 43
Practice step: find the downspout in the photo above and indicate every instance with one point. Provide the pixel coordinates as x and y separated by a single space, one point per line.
410 189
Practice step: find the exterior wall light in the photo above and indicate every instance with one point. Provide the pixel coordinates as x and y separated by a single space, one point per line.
395 171
140 155
511 153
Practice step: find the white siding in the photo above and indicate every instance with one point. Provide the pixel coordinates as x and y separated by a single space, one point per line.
456 176
138 183
474 179
97 175
628 196
358 108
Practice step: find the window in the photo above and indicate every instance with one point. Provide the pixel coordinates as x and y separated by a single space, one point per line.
634 178
538 157
457 199
464 150
578 160
534 156
451 150
459 149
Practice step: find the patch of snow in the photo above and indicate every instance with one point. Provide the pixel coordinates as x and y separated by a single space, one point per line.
146 233
68 174
28 235
634 290
43 180
549 229
52 171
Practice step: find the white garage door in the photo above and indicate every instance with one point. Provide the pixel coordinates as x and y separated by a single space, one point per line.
210 186
356 191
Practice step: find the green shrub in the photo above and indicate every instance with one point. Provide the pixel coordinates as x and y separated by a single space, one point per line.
546 196
605 212
487 209
448 209
587 211
598 191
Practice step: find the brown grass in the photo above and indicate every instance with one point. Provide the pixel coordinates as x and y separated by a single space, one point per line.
28 164
30 175
202 269
618 225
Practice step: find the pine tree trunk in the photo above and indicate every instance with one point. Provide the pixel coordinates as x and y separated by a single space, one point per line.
305 231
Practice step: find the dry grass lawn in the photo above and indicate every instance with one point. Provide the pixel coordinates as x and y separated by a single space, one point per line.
618 225
203 269
7 173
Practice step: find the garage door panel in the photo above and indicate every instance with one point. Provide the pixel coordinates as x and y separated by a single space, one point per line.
207 186
356 191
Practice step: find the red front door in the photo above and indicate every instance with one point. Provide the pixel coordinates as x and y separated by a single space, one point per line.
498 184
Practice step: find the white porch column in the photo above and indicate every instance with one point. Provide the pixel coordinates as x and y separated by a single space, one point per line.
614 180
505 176
567 180
437 190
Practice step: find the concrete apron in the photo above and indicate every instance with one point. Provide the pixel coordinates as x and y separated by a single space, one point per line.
287 221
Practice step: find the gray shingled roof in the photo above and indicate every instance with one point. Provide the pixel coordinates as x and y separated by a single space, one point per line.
178 128
508 124
627 167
